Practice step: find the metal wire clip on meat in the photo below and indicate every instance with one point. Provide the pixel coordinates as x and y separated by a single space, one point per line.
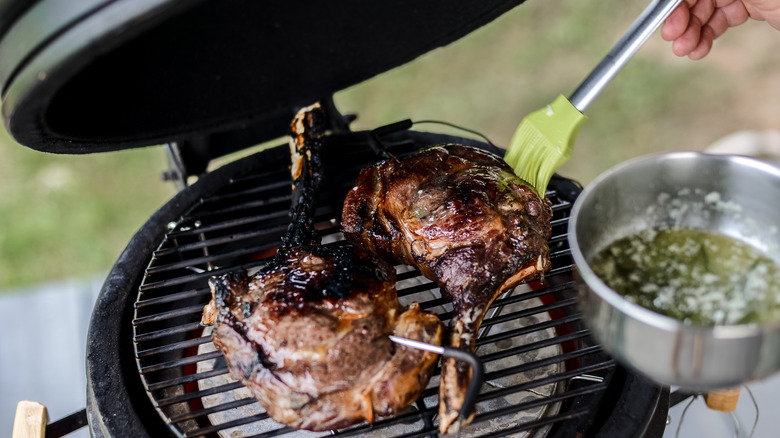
477 370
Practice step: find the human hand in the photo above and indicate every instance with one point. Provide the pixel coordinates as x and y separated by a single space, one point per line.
695 24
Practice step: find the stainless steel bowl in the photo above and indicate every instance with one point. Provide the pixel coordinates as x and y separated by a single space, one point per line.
734 195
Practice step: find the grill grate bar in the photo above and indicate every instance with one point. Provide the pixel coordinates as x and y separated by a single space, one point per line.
417 289
427 432
212 410
430 304
529 312
557 418
183 345
561 235
558 239
420 414
274 230
188 378
172 298
527 329
213 429
544 362
253 192
589 389
179 362
561 377
535 345
266 182
445 316
559 271
414 273
249 252
273 433
198 394
226 224
561 205
559 258
560 221
550 290
431 411
198 309
166 332
522 367
561 253
248 203
212 260
201 277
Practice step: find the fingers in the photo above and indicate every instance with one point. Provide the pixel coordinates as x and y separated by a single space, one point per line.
695 24
735 13
697 38
684 25
703 10
690 39
718 23
704 45
677 22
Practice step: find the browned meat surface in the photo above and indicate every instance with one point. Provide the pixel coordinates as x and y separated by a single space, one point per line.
309 338
308 334
462 217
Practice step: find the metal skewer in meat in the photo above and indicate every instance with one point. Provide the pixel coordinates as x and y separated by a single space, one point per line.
309 333
463 218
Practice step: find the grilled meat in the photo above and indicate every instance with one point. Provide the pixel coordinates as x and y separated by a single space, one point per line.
308 334
463 218
313 348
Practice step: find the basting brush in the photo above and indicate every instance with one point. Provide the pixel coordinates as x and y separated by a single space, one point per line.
544 139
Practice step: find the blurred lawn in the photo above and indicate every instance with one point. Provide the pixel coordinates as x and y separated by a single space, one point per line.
63 216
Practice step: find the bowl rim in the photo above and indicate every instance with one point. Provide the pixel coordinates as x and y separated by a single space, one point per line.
626 307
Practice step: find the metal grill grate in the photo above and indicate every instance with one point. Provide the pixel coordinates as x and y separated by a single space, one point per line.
541 371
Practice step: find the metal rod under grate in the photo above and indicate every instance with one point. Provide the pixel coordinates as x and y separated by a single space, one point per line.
532 343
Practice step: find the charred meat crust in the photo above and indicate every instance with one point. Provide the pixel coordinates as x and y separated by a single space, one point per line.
320 362
419 209
461 216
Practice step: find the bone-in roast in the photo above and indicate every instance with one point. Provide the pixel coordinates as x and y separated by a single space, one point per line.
308 334
461 216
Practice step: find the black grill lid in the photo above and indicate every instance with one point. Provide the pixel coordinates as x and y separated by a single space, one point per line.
95 75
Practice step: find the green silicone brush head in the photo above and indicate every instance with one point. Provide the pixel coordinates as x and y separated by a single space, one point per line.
543 142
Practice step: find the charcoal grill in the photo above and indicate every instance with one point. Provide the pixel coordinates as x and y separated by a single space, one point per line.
102 75
234 219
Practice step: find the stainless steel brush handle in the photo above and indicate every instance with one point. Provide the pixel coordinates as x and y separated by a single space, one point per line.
629 43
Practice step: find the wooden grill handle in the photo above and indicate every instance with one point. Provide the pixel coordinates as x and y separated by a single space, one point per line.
30 420
723 400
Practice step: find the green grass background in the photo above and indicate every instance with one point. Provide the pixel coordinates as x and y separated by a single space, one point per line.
71 216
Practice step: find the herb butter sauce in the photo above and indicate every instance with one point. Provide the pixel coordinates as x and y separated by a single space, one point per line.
696 276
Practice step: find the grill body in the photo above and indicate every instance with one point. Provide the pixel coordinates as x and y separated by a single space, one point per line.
148 357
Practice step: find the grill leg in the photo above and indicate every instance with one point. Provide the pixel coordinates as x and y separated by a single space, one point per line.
66 425
657 425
